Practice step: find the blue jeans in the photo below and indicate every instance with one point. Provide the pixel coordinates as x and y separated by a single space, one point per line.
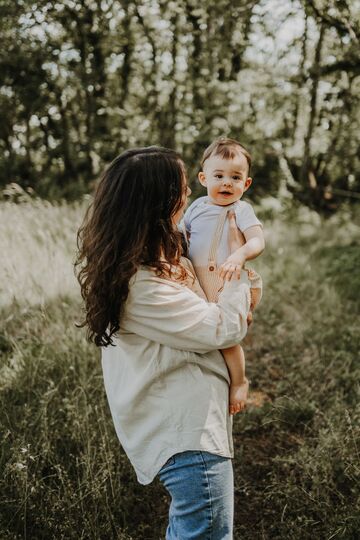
201 487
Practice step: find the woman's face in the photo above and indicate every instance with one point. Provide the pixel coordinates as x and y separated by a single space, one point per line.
184 200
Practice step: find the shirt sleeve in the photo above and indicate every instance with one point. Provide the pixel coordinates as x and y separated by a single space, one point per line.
173 315
187 219
189 213
245 216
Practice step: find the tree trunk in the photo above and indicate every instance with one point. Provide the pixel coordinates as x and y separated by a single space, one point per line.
167 118
306 163
127 50
301 78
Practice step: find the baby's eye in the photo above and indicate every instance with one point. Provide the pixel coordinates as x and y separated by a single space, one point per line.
219 176
237 178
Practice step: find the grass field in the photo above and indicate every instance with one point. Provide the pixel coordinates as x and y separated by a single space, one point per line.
63 474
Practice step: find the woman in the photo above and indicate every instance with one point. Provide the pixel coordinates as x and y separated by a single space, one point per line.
165 379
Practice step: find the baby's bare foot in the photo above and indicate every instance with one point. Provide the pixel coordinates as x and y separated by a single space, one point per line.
238 396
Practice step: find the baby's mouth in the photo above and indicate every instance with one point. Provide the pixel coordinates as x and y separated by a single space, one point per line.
225 192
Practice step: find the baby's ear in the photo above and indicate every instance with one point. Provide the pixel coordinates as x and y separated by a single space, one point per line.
248 183
202 178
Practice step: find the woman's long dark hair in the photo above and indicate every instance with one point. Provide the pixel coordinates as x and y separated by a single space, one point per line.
128 224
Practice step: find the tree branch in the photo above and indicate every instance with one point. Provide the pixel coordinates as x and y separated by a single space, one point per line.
341 65
341 26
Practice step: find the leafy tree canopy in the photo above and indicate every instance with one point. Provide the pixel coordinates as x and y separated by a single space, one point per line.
81 80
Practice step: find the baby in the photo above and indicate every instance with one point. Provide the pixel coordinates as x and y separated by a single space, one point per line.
226 175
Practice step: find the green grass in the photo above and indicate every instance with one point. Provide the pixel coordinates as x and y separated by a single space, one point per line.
297 464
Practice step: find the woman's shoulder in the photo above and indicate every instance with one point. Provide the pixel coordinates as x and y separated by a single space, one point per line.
145 274
146 281
147 277
146 288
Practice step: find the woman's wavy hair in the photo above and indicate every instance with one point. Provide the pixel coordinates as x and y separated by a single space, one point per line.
128 224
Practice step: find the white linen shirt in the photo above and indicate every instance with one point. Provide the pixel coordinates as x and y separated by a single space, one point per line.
166 382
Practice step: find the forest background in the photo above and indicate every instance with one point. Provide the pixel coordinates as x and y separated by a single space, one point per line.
82 80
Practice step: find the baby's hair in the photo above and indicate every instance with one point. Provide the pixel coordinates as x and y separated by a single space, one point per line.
227 149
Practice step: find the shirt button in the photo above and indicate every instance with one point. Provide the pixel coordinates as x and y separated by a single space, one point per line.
211 268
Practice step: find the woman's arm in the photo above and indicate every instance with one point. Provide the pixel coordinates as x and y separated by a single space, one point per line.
168 313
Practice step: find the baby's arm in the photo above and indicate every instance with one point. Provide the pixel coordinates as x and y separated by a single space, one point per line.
253 246
239 385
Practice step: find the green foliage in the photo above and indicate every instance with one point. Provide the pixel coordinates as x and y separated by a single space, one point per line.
81 81
340 266
304 443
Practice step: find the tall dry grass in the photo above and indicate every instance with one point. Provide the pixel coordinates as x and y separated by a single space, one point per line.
37 246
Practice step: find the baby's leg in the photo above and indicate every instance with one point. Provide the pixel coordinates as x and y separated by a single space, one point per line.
239 385
255 288
255 295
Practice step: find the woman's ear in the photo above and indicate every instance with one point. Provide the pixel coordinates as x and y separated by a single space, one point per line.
202 178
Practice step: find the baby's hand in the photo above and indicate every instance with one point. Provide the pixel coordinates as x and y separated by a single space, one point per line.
238 396
232 266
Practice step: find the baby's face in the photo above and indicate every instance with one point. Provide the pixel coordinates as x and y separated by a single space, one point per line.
225 179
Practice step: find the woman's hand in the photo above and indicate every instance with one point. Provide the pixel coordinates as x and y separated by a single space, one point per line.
233 264
235 236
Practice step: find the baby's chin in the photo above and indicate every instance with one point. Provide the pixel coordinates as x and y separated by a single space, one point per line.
221 202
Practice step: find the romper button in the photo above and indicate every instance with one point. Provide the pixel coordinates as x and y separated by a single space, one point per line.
211 268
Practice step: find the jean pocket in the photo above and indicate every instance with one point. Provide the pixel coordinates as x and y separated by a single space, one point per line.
169 462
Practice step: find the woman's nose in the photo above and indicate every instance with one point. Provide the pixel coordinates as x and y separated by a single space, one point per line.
188 191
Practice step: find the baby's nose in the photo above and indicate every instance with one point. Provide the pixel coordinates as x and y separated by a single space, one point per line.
226 181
